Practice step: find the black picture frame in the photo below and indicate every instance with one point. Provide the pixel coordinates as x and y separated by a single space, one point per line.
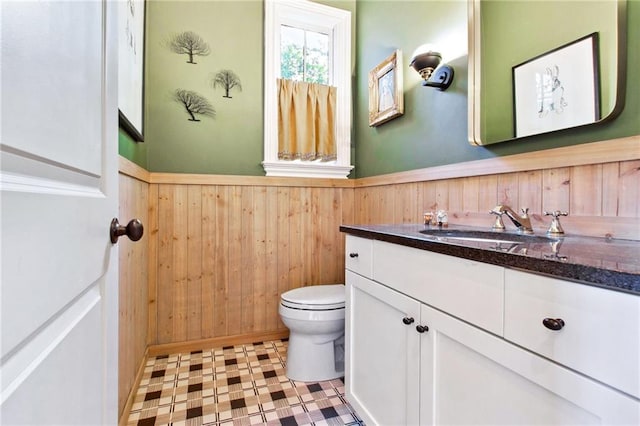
558 89
131 67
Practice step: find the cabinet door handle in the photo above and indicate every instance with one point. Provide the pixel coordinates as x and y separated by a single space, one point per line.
553 324
353 254
422 328
407 320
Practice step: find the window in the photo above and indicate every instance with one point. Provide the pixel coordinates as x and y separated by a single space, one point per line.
307 41
304 55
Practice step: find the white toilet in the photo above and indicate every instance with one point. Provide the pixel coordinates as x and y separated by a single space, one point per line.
315 318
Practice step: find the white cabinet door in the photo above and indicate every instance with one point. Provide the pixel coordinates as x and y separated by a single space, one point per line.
59 192
382 352
469 376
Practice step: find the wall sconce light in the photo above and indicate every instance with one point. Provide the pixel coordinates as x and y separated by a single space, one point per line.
427 63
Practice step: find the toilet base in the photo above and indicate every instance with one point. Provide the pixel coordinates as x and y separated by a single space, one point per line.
311 361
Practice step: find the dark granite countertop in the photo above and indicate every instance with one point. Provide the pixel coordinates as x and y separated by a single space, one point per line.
609 263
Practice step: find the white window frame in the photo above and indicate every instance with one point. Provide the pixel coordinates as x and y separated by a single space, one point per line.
337 22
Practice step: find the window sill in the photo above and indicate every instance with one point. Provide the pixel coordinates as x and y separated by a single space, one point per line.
314 170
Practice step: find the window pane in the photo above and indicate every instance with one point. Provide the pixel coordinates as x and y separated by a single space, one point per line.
317 58
304 55
292 49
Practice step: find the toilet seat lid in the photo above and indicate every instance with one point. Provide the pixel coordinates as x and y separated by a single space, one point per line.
329 296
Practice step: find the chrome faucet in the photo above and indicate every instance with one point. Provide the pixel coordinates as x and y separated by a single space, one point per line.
523 223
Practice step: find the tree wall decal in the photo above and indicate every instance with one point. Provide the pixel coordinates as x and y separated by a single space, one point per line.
194 104
226 79
188 43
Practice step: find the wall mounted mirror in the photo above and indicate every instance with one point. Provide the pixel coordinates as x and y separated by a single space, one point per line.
504 34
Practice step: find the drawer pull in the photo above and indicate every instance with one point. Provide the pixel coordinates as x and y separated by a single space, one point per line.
407 320
353 254
553 324
422 328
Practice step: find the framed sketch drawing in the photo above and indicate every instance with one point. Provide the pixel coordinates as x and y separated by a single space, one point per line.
131 22
558 89
385 90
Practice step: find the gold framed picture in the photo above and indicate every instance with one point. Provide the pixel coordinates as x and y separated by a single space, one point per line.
385 90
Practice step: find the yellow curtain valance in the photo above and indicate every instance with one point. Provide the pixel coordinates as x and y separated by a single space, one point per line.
306 121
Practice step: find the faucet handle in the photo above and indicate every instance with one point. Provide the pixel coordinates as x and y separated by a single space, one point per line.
556 213
525 212
555 228
498 225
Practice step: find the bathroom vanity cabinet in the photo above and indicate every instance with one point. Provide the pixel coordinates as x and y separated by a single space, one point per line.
437 339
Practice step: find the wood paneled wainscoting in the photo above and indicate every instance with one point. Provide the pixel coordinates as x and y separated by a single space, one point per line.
598 184
133 282
221 249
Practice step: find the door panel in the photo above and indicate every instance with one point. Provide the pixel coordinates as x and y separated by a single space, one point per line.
52 81
50 268
41 386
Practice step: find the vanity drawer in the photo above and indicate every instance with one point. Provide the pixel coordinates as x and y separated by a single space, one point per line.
357 255
469 290
600 336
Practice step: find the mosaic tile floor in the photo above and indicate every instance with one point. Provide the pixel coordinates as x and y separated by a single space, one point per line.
235 385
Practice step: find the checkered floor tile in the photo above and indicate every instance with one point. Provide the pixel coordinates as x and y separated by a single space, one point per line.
235 385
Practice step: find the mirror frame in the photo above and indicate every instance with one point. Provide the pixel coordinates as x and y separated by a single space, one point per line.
475 74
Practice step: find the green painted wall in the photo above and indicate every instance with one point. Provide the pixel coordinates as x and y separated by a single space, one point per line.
433 130
540 32
231 142
432 119
134 151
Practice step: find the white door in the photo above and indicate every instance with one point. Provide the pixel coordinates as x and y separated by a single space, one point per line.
59 304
